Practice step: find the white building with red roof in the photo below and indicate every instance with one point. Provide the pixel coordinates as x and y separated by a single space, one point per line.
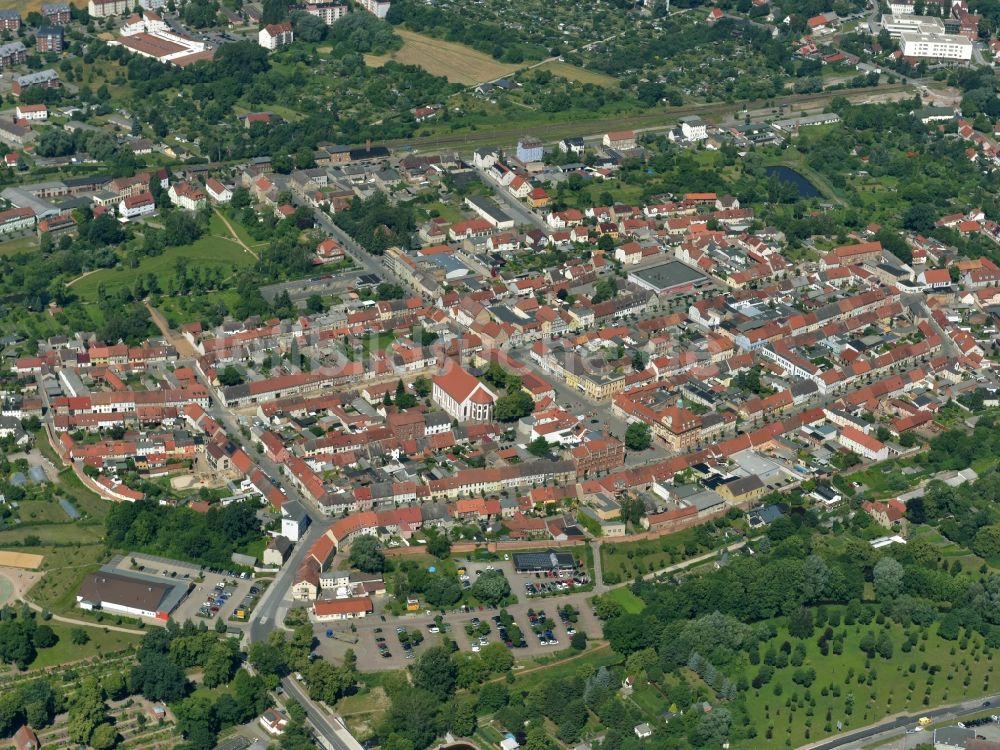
462 396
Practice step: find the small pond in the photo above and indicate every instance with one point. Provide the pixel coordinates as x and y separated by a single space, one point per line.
805 188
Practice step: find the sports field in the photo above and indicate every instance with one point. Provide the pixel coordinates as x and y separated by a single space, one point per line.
456 62
11 559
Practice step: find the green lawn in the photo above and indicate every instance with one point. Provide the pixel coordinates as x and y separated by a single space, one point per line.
218 227
622 561
961 673
65 650
64 568
629 601
205 253
599 656
20 245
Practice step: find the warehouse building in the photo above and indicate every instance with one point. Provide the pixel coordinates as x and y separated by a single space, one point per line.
130 594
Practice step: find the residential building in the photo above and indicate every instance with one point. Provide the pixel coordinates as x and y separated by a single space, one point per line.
462 396
16 219
47 79
277 551
294 520
12 53
864 445
36 112
276 35
136 206
622 140
378 8
694 128
343 609
57 13
49 39
529 150
328 13
187 195
218 192
105 8
10 20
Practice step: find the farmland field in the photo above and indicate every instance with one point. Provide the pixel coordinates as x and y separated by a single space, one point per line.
26 6
575 73
456 62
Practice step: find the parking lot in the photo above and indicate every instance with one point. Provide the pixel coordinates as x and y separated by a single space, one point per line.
371 628
217 595
541 582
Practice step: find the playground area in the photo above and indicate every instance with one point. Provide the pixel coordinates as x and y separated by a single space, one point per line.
15 581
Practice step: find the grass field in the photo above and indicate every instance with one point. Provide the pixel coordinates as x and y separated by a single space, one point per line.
621 561
207 252
65 650
574 73
593 658
22 244
64 568
874 688
456 62
629 601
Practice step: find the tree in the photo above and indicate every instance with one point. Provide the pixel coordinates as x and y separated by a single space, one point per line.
221 663
537 739
366 555
86 712
513 406
414 715
314 303
230 376
273 11
605 289
497 658
79 636
539 447
491 588
800 623
308 28
492 697
435 672
638 436
45 637
463 715
887 576
578 641
438 545
158 679
104 737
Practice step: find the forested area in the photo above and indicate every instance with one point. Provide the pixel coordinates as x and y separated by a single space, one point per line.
205 538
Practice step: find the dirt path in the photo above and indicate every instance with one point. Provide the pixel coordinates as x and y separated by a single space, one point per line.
84 623
82 276
21 582
598 646
235 237
184 347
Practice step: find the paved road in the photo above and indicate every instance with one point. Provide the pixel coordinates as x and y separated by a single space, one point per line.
581 406
266 615
892 727
332 733
523 215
